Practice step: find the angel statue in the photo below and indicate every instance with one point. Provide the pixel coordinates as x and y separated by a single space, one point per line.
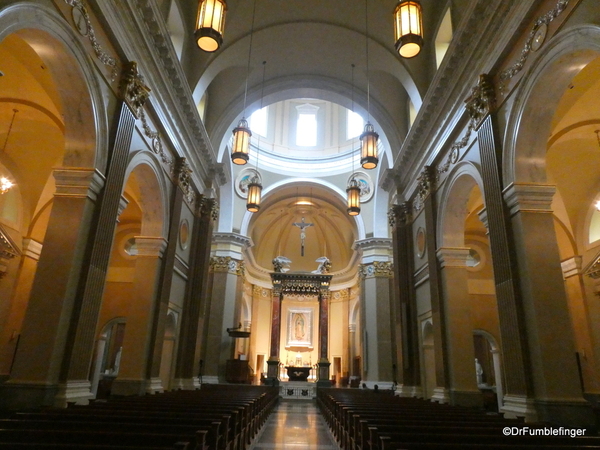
281 264
324 265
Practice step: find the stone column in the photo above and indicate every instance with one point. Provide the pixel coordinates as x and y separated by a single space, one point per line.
187 366
273 361
459 327
376 311
182 191
227 269
138 345
75 385
550 341
324 364
45 342
400 218
426 201
518 387
352 349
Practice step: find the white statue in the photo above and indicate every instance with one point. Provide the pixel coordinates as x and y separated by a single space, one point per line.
478 372
324 265
281 264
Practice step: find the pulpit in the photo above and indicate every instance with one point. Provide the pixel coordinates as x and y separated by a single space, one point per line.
300 373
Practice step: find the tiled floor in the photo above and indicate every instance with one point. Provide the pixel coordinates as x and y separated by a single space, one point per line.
295 424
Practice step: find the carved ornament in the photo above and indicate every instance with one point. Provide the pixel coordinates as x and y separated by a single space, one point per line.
399 215
425 185
183 174
134 91
226 264
208 207
482 100
376 269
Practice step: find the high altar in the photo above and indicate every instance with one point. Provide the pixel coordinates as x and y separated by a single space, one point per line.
299 331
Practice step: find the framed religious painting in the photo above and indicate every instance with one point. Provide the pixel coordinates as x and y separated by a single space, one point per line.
300 327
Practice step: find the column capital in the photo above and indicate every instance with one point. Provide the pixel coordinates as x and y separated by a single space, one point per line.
226 264
399 215
453 256
78 182
483 216
571 267
374 249
522 197
150 246
376 269
208 207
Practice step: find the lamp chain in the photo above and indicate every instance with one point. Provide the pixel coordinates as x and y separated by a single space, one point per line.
15 111
262 96
367 52
249 56
352 154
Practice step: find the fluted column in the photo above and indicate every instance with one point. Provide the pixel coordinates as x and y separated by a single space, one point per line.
553 367
406 312
426 200
459 327
518 385
75 386
45 344
190 344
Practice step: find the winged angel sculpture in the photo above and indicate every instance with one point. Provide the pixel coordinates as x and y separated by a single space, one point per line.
324 265
281 264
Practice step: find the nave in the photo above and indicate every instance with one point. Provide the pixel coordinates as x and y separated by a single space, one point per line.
295 425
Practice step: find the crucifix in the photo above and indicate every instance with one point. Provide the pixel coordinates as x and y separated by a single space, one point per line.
302 225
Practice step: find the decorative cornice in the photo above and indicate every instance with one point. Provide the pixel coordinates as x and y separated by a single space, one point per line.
78 182
232 238
150 246
156 29
376 269
32 248
543 21
373 243
79 12
529 198
300 283
453 256
571 267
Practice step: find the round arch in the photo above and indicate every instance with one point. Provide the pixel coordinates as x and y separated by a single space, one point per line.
153 193
453 199
539 93
68 61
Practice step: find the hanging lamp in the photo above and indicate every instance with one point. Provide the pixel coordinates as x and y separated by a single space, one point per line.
255 185
353 189
242 134
408 28
369 137
210 24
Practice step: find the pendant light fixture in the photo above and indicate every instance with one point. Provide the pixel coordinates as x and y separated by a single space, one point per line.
242 134
369 137
255 185
408 28
5 183
353 189
210 24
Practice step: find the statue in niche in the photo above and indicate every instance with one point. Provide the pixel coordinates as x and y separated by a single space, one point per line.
478 372
324 265
281 264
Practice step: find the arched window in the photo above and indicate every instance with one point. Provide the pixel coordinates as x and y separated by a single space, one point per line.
354 124
258 121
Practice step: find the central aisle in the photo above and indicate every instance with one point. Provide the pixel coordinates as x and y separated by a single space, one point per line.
295 425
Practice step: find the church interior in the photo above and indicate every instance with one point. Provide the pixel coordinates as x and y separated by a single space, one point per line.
355 195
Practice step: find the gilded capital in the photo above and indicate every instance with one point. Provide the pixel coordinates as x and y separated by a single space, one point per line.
482 100
134 91
183 178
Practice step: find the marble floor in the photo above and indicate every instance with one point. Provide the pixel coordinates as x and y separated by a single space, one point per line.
295 424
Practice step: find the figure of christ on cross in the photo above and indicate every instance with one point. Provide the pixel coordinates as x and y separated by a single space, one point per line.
302 225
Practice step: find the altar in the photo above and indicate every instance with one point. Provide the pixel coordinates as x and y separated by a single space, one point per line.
299 373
